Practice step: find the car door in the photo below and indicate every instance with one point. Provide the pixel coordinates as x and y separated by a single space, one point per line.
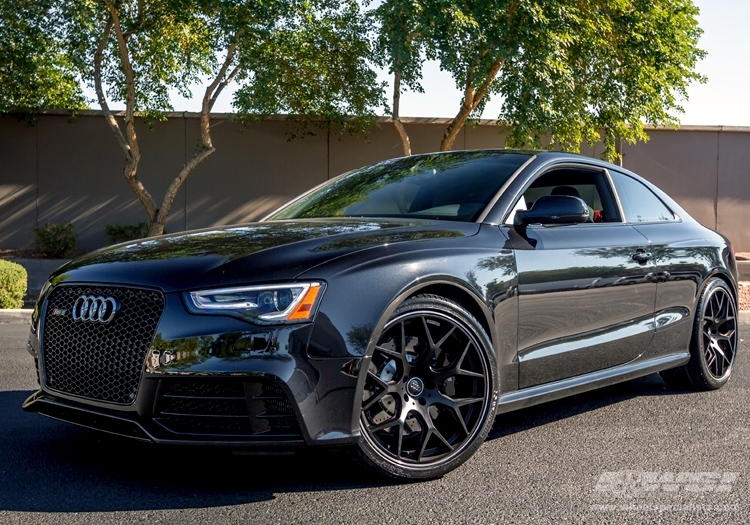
585 291
680 257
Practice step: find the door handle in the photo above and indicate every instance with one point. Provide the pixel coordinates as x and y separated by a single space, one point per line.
641 256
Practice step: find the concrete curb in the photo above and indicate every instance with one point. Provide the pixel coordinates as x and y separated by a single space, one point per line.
743 270
16 316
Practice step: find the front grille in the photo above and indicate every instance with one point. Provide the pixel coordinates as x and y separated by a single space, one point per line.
95 360
226 408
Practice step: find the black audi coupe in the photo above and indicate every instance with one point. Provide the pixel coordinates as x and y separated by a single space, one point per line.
395 309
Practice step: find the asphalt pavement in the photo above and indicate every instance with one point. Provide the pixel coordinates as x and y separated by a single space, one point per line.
638 452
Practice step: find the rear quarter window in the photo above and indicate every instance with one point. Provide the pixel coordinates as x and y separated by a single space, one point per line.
639 203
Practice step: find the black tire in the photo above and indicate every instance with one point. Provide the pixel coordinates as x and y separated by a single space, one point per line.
713 345
430 394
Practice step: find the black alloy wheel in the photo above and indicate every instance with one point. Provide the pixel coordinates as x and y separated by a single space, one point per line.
713 345
429 396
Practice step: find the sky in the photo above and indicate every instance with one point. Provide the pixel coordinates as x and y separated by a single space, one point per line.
723 100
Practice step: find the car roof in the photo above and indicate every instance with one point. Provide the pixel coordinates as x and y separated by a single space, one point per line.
542 154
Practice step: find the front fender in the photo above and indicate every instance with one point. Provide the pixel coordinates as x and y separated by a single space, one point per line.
365 289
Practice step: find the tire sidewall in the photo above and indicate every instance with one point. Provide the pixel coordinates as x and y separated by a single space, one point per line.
698 368
370 450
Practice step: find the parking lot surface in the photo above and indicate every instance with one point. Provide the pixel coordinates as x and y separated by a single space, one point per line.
633 453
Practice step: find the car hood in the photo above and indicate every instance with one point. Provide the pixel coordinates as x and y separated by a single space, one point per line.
246 254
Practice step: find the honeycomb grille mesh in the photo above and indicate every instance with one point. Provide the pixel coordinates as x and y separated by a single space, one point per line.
95 360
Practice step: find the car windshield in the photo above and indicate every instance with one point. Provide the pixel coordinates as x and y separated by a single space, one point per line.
453 186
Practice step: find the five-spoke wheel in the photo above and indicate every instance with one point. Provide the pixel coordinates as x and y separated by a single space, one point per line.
429 393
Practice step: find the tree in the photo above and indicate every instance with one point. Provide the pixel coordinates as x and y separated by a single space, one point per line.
134 52
399 47
313 66
302 57
286 54
568 70
34 71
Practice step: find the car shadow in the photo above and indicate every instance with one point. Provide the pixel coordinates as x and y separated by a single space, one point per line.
542 414
50 466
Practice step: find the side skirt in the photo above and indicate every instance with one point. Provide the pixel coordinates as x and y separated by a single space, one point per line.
575 385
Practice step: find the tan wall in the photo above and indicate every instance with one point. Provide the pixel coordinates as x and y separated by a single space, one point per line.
61 170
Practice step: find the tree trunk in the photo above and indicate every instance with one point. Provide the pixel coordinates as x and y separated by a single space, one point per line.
129 140
472 98
156 226
454 128
405 142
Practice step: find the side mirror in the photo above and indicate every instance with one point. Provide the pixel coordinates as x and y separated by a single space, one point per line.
554 209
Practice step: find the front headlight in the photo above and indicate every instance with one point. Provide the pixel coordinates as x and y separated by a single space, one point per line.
271 303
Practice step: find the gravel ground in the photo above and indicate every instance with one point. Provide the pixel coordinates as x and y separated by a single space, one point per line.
743 296
744 291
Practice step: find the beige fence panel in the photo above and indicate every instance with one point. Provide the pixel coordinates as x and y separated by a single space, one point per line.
61 169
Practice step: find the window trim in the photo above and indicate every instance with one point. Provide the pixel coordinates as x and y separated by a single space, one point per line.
503 189
616 195
567 165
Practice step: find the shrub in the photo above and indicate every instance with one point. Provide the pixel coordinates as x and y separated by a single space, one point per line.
13 280
55 241
117 233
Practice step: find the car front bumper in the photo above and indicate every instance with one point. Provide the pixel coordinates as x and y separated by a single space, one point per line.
218 380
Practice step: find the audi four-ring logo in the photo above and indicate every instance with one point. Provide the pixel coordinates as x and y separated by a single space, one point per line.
95 309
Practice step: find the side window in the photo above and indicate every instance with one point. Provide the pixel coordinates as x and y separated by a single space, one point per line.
639 203
591 186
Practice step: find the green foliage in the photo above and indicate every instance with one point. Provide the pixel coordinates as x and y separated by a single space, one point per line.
13 281
171 47
569 71
309 60
117 233
602 71
55 241
35 72
401 39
